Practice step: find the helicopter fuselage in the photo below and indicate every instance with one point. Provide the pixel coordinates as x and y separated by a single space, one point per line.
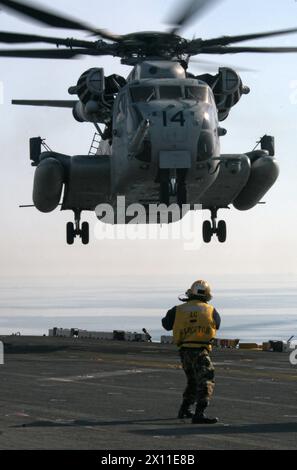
160 145
163 126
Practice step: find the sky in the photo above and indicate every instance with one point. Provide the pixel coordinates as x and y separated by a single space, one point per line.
260 241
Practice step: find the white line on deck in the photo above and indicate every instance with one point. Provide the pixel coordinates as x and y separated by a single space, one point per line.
98 375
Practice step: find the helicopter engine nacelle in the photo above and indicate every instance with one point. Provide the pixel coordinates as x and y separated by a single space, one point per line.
227 88
90 91
91 112
90 85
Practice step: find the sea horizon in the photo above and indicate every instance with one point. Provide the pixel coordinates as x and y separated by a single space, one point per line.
252 308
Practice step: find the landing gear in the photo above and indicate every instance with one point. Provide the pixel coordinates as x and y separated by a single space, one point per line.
74 230
207 231
165 187
85 233
173 185
181 191
211 228
70 233
222 231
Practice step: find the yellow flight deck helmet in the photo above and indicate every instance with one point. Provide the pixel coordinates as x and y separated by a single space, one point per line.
201 289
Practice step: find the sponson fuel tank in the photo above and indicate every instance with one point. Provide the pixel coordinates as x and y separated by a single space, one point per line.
264 173
85 180
48 184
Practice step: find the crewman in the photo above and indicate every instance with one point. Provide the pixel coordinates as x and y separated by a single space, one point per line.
194 324
147 335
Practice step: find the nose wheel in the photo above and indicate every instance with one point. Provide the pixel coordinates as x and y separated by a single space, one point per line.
74 230
209 228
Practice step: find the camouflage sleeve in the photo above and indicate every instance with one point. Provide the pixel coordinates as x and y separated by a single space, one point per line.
216 318
168 320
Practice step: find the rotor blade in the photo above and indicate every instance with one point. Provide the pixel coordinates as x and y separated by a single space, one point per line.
50 18
187 13
23 206
235 50
14 38
215 65
50 53
39 53
225 40
49 103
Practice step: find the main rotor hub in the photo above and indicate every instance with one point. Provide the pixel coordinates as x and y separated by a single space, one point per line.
151 44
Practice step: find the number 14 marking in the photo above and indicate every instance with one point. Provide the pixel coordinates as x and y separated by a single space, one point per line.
178 117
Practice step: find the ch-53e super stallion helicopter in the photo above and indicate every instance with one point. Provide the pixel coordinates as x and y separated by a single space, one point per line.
161 123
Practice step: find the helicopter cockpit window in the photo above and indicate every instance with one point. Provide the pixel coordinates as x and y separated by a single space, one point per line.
143 93
197 93
170 92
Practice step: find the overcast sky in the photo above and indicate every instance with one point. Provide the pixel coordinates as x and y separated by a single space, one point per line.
262 240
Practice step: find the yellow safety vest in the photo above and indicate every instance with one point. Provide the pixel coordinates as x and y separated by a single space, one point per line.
194 326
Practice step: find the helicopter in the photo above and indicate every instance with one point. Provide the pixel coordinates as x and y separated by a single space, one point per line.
160 143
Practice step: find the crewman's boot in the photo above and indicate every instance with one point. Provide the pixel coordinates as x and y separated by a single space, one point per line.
200 418
184 411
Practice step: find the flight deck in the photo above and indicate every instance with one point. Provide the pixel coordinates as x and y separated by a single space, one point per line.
67 393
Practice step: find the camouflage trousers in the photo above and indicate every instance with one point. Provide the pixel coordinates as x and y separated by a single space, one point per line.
199 371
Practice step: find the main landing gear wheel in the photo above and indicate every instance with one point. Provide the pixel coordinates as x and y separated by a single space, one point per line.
209 228
74 230
222 231
70 233
207 231
85 233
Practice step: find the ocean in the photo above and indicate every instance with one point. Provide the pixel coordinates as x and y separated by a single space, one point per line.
252 309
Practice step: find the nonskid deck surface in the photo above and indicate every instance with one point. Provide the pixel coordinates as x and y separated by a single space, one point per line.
59 393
